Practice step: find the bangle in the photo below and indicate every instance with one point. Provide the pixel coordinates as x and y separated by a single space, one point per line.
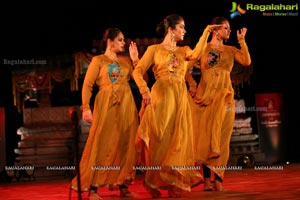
134 62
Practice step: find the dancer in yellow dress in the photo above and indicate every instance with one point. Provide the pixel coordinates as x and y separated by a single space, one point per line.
109 155
165 135
213 105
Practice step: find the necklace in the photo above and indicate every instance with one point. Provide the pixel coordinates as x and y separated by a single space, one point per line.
113 58
216 47
169 47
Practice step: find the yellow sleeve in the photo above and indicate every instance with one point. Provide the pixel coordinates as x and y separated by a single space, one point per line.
134 62
201 45
141 68
88 83
242 55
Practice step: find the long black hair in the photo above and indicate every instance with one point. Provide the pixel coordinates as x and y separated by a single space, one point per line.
169 21
109 33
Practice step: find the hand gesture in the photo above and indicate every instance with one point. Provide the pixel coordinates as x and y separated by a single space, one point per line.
242 32
146 99
213 27
87 116
133 51
192 90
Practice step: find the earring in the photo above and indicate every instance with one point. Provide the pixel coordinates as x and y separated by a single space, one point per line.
218 36
172 36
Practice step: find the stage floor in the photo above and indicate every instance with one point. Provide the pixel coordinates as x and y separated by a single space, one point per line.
250 183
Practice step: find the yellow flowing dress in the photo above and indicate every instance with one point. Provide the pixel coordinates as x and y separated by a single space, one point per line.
165 135
109 155
213 105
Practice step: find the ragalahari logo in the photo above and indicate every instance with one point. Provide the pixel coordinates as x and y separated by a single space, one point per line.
236 10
